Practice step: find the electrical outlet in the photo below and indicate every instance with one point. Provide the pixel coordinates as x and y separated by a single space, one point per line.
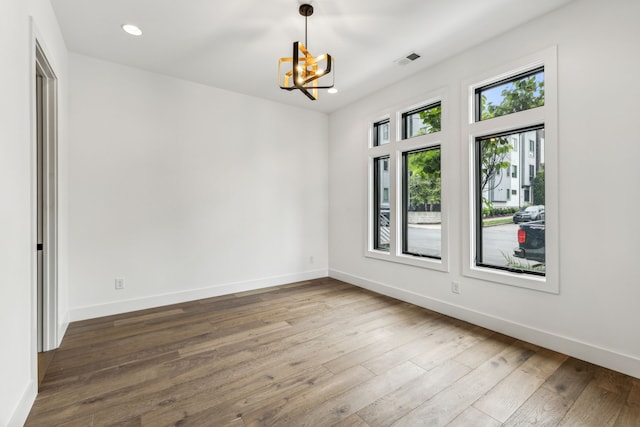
455 287
119 283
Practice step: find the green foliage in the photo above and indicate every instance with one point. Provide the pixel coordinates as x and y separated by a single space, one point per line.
537 187
496 221
425 163
520 95
424 178
432 119
424 166
488 212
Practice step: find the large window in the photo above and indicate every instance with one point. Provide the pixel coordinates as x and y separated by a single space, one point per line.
421 225
407 220
512 233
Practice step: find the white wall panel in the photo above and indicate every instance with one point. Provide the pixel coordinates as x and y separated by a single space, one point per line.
188 191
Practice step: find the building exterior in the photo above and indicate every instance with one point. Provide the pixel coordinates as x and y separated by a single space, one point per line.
511 187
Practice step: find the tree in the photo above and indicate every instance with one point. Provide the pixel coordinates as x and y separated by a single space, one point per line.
424 178
519 95
432 119
495 157
423 191
537 187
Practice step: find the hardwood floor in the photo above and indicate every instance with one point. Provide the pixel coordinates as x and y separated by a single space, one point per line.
317 353
44 358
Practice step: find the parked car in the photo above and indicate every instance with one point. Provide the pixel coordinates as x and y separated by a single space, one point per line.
531 241
530 213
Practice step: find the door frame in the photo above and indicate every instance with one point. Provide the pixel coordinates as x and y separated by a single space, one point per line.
45 126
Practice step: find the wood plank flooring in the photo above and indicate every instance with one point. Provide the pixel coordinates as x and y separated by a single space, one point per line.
317 353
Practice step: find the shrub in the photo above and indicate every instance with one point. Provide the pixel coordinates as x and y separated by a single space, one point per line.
491 212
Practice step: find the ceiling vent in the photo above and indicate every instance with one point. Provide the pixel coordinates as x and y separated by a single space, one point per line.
407 59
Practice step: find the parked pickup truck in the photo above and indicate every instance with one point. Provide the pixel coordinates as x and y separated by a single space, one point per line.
531 241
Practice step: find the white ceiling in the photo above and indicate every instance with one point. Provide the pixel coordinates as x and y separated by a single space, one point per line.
235 44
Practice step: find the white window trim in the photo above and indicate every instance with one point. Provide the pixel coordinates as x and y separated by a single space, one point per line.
546 115
394 149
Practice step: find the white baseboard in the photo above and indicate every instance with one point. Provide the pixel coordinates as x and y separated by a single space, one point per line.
19 416
124 306
591 353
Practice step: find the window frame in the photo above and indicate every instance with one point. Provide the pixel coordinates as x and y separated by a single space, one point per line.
479 229
405 115
510 78
405 194
376 132
394 150
547 116
376 204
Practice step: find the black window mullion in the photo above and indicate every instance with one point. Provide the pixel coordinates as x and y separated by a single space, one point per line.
376 204
477 116
478 190
405 202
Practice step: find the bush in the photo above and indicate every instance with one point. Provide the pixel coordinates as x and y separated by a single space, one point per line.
491 212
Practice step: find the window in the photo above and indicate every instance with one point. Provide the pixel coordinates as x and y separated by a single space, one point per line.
381 211
508 247
421 216
512 147
407 221
421 121
381 133
498 99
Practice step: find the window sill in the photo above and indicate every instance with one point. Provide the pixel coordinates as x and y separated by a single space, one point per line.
415 261
521 280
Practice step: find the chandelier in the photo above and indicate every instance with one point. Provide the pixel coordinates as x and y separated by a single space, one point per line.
303 71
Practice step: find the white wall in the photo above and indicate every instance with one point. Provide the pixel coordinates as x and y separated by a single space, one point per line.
188 191
595 316
17 246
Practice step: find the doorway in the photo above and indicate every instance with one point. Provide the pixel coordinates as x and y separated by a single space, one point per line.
46 178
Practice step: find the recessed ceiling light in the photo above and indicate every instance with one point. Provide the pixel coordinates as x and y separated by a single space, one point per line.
332 90
132 29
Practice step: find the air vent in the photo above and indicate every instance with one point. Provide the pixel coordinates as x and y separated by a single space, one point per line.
407 59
